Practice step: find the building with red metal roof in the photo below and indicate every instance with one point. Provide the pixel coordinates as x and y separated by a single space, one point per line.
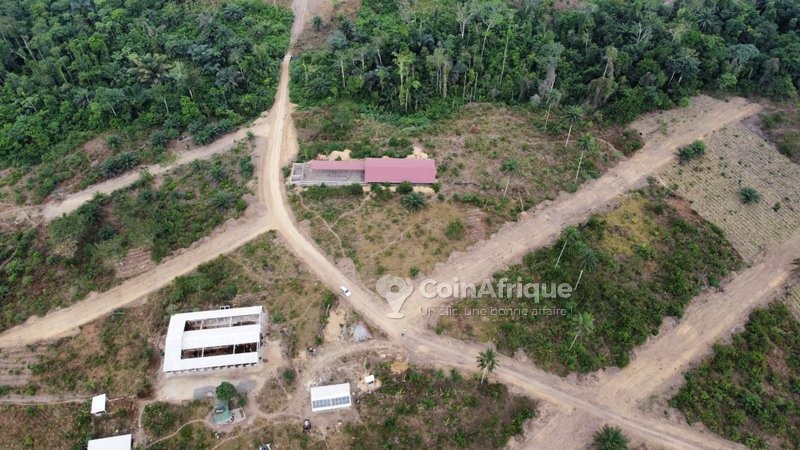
361 171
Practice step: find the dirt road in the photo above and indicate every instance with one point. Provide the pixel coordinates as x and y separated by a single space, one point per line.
71 202
427 348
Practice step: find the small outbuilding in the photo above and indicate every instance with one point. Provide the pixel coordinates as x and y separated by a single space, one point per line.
334 396
99 404
222 412
111 443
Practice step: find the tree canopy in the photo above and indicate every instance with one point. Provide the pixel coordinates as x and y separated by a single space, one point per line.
621 58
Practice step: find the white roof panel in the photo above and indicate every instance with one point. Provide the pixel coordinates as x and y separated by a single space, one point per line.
218 337
330 397
178 340
111 443
99 404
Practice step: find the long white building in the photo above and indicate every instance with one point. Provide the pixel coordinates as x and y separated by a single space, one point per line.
218 339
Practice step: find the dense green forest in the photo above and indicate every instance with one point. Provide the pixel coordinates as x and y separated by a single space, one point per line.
749 391
148 69
618 57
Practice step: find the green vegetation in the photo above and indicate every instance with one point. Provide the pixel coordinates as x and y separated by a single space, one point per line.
413 201
47 267
618 58
147 70
465 412
629 268
160 418
226 391
749 390
696 149
487 362
749 195
783 128
610 438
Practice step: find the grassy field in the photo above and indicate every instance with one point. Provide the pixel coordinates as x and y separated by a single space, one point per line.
500 159
782 126
639 263
379 234
737 158
749 390
430 409
46 267
62 426
492 162
117 354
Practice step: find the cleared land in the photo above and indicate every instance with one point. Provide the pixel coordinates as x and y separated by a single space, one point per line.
120 354
54 265
736 158
631 267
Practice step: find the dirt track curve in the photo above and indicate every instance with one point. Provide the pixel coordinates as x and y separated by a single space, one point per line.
505 247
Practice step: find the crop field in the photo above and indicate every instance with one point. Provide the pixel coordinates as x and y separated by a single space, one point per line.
737 158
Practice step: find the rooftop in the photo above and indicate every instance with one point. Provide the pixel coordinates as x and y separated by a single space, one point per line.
111 443
99 404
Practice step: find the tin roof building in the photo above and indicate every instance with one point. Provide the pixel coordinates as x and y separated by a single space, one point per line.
111 443
333 396
218 339
364 171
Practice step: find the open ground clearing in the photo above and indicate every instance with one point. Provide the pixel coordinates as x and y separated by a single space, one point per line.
738 158
781 125
631 268
377 235
67 425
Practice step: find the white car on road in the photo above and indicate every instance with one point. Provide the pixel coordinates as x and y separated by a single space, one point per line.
345 291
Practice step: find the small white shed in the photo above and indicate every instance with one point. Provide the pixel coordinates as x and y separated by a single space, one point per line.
111 443
333 396
99 404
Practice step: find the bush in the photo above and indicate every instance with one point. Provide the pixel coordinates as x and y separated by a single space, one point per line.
405 188
455 230
749 195
695 150
610 438
413 201
119 164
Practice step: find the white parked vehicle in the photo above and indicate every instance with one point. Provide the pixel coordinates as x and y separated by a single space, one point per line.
345 291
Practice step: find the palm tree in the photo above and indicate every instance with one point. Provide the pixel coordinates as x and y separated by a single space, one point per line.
487 362
413 201
586 142
584 325
569 235
151 68
574 114
610 438
588 259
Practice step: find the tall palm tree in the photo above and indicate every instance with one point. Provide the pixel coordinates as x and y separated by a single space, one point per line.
586 142
151 68
584 325
588 259
610 438
574 115
487 362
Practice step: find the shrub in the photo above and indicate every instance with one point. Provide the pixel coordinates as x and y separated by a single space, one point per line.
413 201
405 188
119 164
749 195
455 230
692 151
610 438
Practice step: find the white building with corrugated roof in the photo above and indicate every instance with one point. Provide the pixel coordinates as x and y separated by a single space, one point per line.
218 339
333 396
